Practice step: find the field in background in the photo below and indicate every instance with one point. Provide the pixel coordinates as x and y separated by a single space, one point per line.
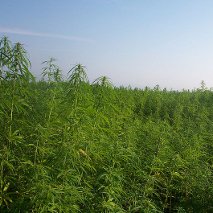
74 146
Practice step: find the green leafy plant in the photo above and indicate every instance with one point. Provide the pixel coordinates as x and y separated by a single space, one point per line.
70 146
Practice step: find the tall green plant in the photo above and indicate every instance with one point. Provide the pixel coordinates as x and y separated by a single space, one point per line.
14 105
51 71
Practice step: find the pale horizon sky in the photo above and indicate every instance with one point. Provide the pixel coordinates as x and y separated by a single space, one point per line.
134 42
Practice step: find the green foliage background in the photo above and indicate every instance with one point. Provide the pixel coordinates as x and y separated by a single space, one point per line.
72 146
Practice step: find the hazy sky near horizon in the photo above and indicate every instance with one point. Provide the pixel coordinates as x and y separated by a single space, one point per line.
134 42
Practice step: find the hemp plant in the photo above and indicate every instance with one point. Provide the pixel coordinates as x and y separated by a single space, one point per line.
51 71
14 105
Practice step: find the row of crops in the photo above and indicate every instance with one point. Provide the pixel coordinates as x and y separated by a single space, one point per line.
74 146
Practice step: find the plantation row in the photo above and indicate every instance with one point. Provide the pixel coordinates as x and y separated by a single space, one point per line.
72 146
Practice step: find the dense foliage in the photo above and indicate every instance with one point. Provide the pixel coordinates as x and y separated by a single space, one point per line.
72 146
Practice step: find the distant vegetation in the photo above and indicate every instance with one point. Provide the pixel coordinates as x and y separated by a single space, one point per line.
72 146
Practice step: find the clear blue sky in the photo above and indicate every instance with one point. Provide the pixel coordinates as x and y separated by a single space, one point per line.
134 42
